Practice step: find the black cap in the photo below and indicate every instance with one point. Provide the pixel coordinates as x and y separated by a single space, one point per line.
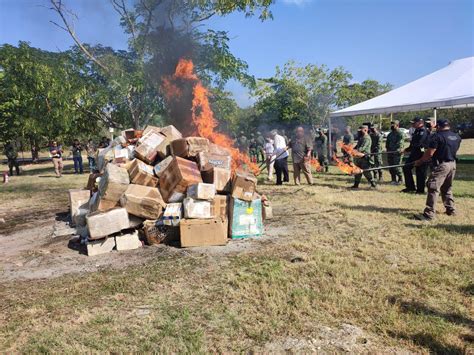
416 120
442 123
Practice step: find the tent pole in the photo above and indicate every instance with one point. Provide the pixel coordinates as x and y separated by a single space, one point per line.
330 138
435 115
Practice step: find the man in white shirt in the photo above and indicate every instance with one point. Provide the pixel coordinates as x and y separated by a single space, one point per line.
281 163
269 149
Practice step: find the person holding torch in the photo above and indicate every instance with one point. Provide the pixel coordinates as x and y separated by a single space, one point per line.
363 157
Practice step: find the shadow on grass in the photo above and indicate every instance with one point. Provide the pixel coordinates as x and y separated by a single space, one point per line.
416 307
448 228
372 208
429 342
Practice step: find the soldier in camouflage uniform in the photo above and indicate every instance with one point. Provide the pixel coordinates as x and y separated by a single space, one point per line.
363 160
376 150
394 143
12 156
243 143
321 145
347 139
260 141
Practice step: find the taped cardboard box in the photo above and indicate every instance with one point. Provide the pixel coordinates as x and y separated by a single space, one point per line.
202 232
171 133
149 146
121 155
141 173
162 165
178 175
96 203
189 147
244 186
78 198
219 150
245 218
113 183
143 201
215 160
196 208
221 178
201 191
173 214
220 206
102 224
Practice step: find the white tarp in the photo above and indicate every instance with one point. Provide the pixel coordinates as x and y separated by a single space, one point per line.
450 86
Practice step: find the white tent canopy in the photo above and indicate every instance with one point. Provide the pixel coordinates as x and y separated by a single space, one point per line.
451 86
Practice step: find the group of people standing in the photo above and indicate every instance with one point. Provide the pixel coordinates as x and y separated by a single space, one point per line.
77 148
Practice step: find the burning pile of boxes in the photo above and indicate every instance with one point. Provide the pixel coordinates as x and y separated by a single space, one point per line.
154 185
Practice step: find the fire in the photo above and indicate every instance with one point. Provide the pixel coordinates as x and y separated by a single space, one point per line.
347 168
349 149
202 115
315 164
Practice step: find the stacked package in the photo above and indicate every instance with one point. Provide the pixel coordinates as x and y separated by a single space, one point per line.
163 188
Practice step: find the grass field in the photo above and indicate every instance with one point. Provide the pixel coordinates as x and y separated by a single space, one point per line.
332 257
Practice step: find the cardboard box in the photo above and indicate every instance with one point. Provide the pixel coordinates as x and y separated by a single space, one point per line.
220 206
97 203
218 149
104 156
157 233
121 155
171 133
149 146
98 247
245 218
267 210
201 191
149 129
189 147
178 175
143 201
221 178
162 165
92 184
113 183
215 160
196 208
173 214
102 224
202 232
128 241
244 186
78 199
141 173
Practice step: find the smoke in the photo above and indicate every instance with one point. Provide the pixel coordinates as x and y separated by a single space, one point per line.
171 38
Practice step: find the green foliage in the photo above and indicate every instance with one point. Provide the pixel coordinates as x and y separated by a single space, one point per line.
303 94
40 95
358 92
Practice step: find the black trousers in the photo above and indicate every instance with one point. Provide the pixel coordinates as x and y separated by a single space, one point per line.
281 168
420 172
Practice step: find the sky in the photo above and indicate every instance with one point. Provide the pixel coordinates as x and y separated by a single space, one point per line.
393 41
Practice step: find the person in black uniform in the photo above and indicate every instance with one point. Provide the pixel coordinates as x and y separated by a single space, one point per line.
442 149
415 152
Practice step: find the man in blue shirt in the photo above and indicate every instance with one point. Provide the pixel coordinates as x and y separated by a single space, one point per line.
442 149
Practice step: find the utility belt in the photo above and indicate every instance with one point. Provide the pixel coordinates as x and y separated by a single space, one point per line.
437 162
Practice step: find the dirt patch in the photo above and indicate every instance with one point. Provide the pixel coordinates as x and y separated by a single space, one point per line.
34 252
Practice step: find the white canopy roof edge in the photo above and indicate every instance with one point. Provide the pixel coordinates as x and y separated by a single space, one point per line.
448 87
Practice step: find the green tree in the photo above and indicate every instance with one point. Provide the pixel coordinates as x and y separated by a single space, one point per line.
41 94
355 93
303 94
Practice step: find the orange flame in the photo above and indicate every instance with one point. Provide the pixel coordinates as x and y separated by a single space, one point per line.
315 164
349 149
347 168
202 115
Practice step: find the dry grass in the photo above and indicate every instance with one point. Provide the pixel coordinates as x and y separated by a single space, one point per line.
364 262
